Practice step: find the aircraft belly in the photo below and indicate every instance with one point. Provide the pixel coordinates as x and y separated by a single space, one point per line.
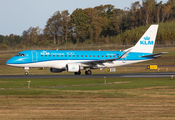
57 64
62 63
35 64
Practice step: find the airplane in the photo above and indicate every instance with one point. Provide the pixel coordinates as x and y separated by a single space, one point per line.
75 60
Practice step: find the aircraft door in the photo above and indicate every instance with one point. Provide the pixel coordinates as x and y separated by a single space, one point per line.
34 56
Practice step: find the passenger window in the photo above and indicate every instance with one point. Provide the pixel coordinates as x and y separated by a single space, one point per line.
41 55
65 55
86 55
77 55
45 55
61 55
89 55
69 55
49 55
73 55
98 55
57 55
106 56
110 55
82 56
94 55
102 56
53 55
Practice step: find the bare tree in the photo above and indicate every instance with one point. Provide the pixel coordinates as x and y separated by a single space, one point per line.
31 35
53 27
65 24
147 9
165 11
157 11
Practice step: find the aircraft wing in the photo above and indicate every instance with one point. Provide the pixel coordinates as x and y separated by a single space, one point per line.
106 60
155 55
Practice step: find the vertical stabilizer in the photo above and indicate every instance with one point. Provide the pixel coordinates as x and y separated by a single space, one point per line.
147 41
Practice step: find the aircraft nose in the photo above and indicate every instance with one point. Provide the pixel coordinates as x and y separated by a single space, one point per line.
10 61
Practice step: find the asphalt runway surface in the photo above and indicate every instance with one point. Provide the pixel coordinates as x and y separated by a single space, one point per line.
127 75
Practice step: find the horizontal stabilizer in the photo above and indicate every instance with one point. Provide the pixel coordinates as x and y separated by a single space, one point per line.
155 55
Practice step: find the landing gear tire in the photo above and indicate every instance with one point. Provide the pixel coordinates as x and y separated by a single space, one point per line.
26 73
77 73
88 72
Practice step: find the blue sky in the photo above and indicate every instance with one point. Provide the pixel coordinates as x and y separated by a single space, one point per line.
18 15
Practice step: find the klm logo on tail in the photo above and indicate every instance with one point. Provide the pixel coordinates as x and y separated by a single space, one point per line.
146 41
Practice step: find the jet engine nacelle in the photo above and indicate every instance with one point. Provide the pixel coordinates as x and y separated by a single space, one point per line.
72 68
54 70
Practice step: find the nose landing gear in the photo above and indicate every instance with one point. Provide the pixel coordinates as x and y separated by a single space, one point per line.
27 70
26 73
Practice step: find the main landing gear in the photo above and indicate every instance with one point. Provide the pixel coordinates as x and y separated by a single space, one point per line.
87 72
77 73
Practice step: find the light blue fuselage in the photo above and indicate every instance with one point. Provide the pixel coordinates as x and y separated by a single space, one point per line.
45 56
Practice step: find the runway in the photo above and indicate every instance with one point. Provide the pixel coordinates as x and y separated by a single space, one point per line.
128 75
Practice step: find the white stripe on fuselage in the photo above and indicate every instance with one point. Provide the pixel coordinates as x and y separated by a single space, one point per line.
59 64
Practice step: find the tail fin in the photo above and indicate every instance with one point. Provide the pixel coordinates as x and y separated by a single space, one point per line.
147 41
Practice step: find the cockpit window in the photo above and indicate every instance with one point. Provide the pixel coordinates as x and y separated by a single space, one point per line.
20 54
17 54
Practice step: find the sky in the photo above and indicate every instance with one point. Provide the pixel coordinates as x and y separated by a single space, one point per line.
19 15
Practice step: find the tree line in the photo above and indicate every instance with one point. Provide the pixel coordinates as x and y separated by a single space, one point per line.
103 23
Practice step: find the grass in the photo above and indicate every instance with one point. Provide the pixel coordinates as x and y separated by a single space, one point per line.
57 87
120 98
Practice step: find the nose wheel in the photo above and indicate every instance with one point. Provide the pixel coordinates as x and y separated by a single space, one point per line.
88 72
26 73
27 70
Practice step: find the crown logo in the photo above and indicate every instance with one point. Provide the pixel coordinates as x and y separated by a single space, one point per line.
73 68
146 38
